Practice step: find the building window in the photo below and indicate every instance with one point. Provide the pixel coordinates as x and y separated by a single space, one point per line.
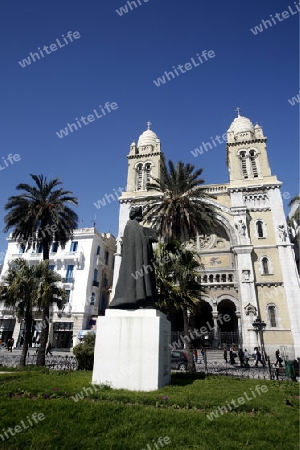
39 248
260 229
106 257
96 274
265 266
253 156
51 267
272 315
69 274
74 246
21 249
147 175
54 247
243 160
98 250
139 177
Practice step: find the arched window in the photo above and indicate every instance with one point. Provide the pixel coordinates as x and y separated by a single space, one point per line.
211 278
147 174
139 177
205 279
218 278
272 315
253 156
243 164
265 265
260 229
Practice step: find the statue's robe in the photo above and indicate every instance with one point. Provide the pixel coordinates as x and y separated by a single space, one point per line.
136 287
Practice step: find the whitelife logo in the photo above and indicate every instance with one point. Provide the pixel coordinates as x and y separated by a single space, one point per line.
53 47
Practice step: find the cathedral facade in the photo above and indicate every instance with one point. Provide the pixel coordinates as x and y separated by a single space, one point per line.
248 265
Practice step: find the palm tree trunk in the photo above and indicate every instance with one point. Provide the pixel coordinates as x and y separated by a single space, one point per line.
187 342
185 326
27 338
41 356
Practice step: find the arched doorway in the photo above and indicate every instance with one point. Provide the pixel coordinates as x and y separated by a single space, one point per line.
203 322
228 329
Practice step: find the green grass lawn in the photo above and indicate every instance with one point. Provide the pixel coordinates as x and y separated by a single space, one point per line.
117 419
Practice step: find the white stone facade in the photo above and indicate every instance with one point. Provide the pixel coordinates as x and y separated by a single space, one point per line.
86 265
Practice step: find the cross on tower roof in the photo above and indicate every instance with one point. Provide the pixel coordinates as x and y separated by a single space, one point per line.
238 109
149 125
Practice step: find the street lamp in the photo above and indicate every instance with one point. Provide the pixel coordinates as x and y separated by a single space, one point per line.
260 326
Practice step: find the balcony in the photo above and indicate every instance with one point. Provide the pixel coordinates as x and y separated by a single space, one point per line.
68 280
95 283
217 278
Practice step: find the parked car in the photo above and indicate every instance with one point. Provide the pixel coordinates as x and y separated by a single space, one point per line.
179 360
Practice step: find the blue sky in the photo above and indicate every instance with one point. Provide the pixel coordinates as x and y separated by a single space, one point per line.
116 60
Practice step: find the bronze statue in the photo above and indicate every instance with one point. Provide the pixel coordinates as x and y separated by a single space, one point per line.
136 286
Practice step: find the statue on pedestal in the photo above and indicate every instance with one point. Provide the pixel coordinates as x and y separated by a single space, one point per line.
136 286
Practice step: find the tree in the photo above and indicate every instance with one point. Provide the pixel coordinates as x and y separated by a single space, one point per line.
183 211
41 216
84 352
177 279
27 287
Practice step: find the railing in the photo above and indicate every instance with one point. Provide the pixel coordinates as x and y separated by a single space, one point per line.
67 362
207 340
68 280
216 278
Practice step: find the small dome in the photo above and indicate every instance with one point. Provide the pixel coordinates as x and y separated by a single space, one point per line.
241 124
148 137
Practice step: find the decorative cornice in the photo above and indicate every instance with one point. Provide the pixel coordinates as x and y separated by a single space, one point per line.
146 155
234 144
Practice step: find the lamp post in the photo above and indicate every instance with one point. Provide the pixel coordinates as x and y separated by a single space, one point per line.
259 327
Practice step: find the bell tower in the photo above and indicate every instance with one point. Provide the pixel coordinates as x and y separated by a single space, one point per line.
247 158
144 162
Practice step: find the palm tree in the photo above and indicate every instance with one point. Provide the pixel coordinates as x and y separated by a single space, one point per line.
27 287
17 292
183 211
40 216
177 279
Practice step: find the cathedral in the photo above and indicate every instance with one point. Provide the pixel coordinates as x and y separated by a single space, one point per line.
248 265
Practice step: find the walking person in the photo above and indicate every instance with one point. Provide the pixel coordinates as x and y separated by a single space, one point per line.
195 356
278 358
225 355
241 357
232 355
48 349
258 357
246 359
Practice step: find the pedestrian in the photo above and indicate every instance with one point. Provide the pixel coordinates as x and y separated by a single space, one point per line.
241 357
258 357
278 358
9 345
246 359
195 356
225 355
12 343
48 349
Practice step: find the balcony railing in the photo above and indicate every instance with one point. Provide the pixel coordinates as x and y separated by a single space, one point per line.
68 280
217 278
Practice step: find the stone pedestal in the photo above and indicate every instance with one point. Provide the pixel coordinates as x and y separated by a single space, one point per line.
132 350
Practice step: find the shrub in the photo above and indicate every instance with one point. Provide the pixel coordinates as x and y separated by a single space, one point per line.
84 352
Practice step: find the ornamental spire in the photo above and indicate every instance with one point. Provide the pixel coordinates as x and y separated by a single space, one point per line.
149 125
